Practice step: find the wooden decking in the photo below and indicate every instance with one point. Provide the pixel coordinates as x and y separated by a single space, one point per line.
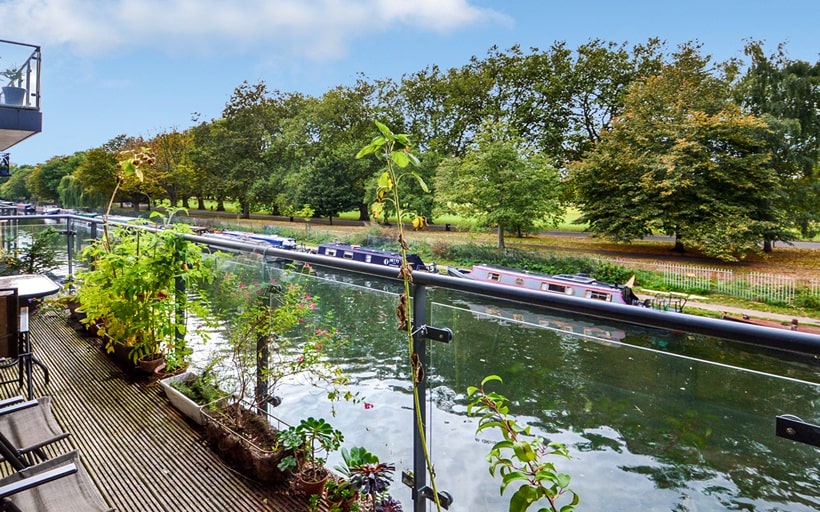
142 455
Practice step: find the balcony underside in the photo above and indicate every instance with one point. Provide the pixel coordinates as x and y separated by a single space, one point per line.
17 124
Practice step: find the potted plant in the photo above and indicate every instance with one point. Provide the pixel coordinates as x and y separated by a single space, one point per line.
189 392
312 440
13 94
368 476
340 494
273 322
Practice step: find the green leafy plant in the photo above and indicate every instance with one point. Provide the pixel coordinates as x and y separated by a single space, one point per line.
312 440
203 388
13 73
35 257
133 285
278 318
394 150
520 457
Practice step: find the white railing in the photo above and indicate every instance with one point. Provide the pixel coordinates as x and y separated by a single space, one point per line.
756 286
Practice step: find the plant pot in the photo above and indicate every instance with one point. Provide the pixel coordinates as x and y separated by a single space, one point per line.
309 486
182 403
236 450
14 95
152 363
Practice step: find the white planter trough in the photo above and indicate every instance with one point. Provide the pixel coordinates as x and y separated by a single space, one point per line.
183 404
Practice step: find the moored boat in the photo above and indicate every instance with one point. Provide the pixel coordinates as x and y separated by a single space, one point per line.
281 242
367 255
573 285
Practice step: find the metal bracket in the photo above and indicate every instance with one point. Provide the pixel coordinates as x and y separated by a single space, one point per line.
444 335
792 427
444 497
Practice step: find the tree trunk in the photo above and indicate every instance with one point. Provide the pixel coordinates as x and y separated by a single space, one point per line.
500 236
678 244
364 212
767 246
200 202
220 204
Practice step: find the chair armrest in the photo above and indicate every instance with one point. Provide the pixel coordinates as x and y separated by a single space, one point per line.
18 406
30 482
10 401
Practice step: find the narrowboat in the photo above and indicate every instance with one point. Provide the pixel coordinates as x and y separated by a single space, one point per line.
280 242
366 255
573 285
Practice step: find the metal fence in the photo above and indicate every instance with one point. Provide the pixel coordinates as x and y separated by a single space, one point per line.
758 286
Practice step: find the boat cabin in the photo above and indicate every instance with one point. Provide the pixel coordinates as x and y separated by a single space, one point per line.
365 255
575 285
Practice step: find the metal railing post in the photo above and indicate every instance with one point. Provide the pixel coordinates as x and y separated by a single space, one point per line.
420 351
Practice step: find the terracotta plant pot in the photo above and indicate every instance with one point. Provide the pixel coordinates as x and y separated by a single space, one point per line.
152 363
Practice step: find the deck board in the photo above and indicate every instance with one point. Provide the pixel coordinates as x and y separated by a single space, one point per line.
139 451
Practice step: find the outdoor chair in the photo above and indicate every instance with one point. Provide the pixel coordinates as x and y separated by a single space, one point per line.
28 426
59 484
13 351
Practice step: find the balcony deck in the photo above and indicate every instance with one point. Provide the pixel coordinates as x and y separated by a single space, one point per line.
138 450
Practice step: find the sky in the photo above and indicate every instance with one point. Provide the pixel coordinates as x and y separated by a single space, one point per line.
143 67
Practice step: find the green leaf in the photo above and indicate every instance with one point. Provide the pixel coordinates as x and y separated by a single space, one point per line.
421 182
388 134
563 480
370 148
524 452
522 499
385 181
400 158
490 378
413 160
402 139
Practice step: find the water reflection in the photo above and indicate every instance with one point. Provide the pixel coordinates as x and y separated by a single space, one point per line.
654 420
647 429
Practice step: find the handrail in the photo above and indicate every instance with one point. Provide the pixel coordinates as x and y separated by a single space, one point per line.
769 337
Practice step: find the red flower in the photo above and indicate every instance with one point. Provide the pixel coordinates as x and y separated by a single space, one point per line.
368 405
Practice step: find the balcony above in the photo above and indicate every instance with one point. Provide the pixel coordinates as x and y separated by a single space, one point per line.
20 115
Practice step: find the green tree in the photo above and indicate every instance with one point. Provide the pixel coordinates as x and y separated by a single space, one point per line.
247 136
786 93
15 188
682 160
44 182
501 183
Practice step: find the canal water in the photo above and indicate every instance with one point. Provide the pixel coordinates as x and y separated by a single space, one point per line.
653 420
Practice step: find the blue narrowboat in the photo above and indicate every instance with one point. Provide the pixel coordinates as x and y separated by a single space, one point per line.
365 255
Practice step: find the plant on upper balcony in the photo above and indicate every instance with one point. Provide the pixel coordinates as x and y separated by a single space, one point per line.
13 74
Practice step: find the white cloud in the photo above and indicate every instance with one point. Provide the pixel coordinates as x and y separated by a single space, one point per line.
319 29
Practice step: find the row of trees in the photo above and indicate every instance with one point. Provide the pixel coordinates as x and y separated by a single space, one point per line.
641 139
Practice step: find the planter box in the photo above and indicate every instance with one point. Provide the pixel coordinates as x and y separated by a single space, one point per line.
182 403
240 453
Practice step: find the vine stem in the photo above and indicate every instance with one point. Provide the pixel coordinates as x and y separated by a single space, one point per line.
406 274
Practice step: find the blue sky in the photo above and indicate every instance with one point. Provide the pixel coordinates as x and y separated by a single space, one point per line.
142 67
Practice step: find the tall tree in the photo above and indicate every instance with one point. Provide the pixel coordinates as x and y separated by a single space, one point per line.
501 183
786 93
682 160
247 123
45 180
